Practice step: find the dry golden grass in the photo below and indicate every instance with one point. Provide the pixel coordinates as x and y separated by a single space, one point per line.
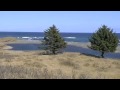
32 65
2 45
7 39
4 41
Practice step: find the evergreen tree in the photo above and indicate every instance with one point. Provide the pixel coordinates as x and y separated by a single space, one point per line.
52 41
104 40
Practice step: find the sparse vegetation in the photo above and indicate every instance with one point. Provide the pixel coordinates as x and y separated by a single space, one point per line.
70 63
32 65
7 39
86 64
36 65
84 76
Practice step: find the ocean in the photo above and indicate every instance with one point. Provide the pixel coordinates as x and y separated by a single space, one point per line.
74 37
71 37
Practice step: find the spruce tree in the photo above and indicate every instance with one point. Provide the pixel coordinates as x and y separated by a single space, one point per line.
52 41
104 40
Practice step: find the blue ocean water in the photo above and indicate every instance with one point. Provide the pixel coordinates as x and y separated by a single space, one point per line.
75 37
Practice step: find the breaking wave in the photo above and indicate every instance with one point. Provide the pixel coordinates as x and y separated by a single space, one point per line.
31 38
70 37
39 38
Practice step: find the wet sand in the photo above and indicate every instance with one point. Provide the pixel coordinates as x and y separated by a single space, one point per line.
7 47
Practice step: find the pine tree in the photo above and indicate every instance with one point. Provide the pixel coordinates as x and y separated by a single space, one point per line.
52 41
104 40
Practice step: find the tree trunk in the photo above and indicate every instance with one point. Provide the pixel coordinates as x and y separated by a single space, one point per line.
53 51
102 54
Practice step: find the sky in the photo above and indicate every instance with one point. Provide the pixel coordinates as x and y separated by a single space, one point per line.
65 21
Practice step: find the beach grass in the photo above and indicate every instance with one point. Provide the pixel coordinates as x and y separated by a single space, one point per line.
67 65
32 65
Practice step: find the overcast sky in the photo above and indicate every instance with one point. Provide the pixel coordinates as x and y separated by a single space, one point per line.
65 21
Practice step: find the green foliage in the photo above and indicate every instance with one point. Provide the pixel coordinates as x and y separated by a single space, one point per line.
104 40
52 41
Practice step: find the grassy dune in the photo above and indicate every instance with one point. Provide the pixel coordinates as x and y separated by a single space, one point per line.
34 65
7 39
4 41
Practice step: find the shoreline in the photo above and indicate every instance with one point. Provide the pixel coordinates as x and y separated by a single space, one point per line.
7 47
20 64
77 44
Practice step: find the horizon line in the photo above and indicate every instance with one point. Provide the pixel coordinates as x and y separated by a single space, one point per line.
43 32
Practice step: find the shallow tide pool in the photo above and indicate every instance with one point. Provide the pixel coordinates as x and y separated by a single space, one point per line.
69 48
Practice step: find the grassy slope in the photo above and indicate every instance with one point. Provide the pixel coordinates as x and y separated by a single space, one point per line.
19 64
